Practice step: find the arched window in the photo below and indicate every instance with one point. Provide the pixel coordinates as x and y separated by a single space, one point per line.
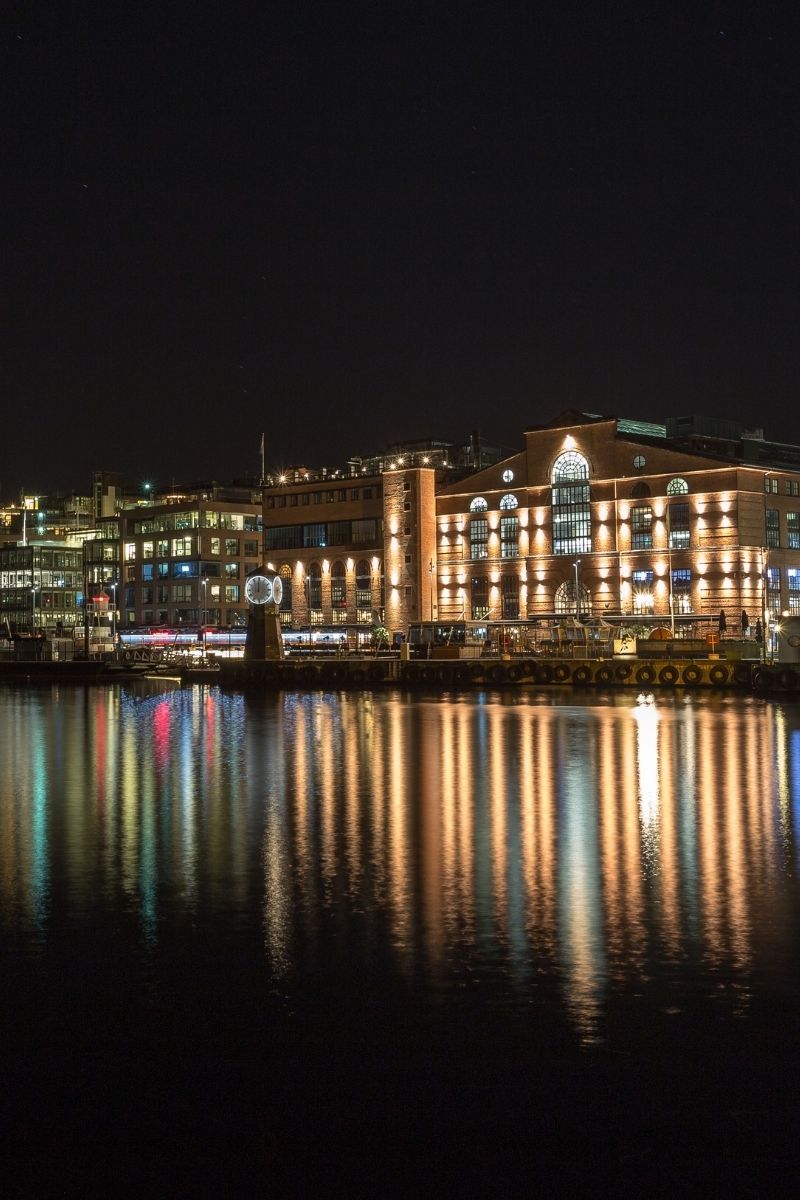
363 590
677 487
565 599
479 504
570 466
572 516
640 490
338 586
285 574
315 587
509 501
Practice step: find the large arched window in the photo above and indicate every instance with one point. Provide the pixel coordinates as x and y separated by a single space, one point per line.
338 585
315 588
565 599
677 487
363 592
285 574
509 501
572 515
479 504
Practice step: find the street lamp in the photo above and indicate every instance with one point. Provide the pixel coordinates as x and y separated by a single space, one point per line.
114 614
33 610
204 610
308 589
431 570
576 565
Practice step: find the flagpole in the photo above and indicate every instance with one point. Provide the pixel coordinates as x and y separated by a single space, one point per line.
263 506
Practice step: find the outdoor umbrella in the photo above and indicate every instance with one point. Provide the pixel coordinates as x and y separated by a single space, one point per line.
723 621
745 624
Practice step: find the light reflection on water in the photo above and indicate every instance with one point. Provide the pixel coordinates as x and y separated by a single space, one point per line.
595 843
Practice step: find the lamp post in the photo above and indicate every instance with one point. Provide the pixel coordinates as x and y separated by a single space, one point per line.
114 614
576 565
204 610
764 569
431 570
308 589
33 611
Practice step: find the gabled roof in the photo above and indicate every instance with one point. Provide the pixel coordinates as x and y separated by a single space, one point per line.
571 416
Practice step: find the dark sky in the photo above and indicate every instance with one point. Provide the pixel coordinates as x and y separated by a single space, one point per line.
356 223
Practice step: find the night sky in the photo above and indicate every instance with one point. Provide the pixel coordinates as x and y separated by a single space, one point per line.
351 224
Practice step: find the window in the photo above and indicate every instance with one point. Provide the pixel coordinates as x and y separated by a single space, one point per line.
162 549
147 549
640 490
774 591
639 462
318 497
678 524
367 493
508 475
232 593
285 574
181 591
773 529
363 532
315 586
338 586
642 527
293 500
182 546
793 584
681 590
792 487
315 535
793 531
163 570
643 592
231 570
509 501
215 545
130 551
509 537
479 537
572 519
147 571
306 498
510 593
480 597
770 485
677 487
354 493
565 599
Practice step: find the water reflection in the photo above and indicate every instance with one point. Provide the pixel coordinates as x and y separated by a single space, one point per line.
588 845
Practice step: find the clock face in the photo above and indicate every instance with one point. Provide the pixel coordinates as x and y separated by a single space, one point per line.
258 589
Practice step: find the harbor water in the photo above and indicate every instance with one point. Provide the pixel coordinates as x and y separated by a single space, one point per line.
532 941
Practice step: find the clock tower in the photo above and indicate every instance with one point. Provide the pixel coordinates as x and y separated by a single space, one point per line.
263 594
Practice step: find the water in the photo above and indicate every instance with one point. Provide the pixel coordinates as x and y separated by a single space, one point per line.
540 941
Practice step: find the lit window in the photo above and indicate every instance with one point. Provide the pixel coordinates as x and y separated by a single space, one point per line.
478 505
509 501
677 487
